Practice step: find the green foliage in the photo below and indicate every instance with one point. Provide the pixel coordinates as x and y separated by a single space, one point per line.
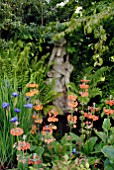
107 135
89 145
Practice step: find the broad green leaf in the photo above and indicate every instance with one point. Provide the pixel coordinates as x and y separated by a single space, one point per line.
57 147
89 145
108 151
106 124
74 137
101 135
111 139
109 167
112 129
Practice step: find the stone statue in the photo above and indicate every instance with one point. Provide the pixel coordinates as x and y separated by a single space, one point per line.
61 70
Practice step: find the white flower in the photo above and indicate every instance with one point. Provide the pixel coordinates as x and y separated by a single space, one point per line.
78 9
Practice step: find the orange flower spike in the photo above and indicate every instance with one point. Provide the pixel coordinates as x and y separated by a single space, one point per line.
94 109
85 81
54 127
34 116
69 117
56 119
32 85
84 86
33 129
95 118
110 102
90 116
22 145
39 120
16 131
72 97
34 91
29 94
38 107
85 114
49 119
75 119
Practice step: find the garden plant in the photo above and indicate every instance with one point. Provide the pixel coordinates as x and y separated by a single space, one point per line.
35 134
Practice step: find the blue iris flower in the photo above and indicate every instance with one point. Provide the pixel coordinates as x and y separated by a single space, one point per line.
5 105
74 151
17 110
28 105
15 94
14 119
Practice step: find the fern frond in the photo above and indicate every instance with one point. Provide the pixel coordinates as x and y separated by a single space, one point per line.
94 92
95 78
72 87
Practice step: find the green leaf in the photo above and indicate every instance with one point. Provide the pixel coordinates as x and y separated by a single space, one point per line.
100 61
108 151
89 145
106 124
74 137
37 149
111 139
109 167
57 147
102 135
112 129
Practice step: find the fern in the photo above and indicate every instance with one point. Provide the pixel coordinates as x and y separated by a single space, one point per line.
94 92
95 78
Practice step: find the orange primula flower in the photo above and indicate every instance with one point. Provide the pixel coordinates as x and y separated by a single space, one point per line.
47 130
48 141
94 109
72 104
84 94
34 116
32 85
108 111
16 131
52 116
29 94
34 91
38 107
84 86
52 119
90 116
39 120
54 127
53 113
22 145
110 102
72 97
85 81
33 131
72 119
